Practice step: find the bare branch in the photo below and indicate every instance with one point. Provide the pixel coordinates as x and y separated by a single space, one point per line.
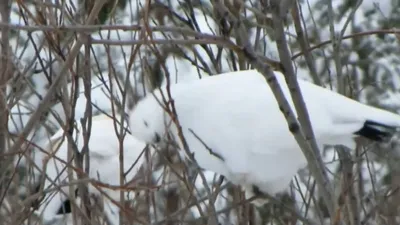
313 153
44 104
6 70
355 35
205 145
304 45
306 141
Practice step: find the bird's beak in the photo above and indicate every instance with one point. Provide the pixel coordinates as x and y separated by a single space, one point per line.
157 138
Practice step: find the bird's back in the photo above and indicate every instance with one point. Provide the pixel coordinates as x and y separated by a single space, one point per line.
246 96
236 116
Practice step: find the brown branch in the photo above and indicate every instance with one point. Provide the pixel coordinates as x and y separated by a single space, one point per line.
45 103
206 146
311 152
202 39
379 205
6 70
348 183
306 141
355 35
304 45
86 124
271 199
97 28
207 40
171 110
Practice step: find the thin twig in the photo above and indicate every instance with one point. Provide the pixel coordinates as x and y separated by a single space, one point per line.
304 44
45 103
6 73
206 146
355 35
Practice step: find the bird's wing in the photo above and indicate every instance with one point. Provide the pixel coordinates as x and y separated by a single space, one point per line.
233 117
56 172
237 116
108 167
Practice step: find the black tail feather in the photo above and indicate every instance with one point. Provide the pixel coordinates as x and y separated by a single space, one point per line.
65 208
376 131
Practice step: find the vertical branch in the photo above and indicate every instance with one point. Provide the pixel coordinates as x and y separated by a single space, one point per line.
68 104
337 42
336 48
170 109
122 131
74 158
305 141
304 45
46 100
171 206
86 123
6 74
348 192
359 176
313 154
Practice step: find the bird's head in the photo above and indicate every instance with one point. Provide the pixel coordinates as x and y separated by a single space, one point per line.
147 120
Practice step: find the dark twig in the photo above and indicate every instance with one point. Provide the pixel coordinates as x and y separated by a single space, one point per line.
355 35
348 186
206 146
6 70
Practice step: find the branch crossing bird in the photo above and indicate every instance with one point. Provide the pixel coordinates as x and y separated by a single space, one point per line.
233 125
104 163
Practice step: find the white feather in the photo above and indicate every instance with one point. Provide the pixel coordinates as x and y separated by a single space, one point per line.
104 151
237 117
110 211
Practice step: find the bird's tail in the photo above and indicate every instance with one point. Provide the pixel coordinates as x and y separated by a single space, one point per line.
376 131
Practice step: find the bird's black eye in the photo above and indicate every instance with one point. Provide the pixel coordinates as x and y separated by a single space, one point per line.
145 123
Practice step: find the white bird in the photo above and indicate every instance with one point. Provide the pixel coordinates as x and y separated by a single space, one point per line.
104 152
234 127
64 216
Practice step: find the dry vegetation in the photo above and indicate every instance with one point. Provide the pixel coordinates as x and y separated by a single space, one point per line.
60 52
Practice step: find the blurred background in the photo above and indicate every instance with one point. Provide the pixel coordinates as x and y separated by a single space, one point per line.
72 60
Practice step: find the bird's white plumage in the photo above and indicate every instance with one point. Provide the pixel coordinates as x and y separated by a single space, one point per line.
104 151
236 115
111 212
